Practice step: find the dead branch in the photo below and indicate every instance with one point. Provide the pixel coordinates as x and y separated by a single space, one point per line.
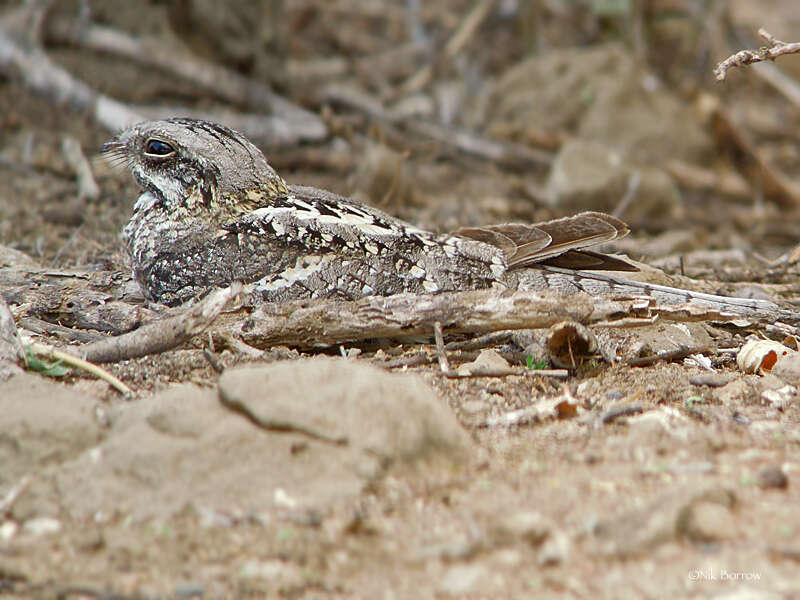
728 134
96 300
293 123
41 327
162 335
462 35
308 324
773 50
76 159
783 83
507 154
693 177
320 323
22 57
29 63
441 353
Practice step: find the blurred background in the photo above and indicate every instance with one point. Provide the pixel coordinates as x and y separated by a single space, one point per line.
447 113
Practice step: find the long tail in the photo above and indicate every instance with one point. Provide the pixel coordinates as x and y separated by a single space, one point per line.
598 284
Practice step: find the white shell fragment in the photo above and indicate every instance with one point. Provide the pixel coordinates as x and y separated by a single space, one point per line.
759 356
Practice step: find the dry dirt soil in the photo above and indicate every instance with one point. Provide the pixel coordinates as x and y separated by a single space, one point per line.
311 475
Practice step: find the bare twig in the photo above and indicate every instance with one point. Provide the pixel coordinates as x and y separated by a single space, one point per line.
773 50
751 161
51 353
677 354
614 413
66 334
506 154
82 299
7 501
164 334
462 35
783 83
633 186
441 352
39 74
295 123
76 159
694 177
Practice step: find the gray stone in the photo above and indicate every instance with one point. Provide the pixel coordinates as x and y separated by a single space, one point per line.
290 437
638 531
708 522
42 422
390 416
555 550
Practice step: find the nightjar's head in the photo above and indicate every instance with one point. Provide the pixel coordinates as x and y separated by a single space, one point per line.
196 167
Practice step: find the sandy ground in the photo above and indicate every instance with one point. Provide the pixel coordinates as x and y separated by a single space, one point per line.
659 481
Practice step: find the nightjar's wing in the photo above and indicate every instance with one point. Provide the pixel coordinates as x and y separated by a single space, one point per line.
558 243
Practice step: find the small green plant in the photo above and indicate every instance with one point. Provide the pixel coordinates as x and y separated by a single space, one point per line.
34 363
692 400
535 365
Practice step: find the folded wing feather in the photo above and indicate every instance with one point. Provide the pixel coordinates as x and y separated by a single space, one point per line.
559 243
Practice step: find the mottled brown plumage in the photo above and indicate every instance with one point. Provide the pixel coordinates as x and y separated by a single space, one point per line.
213 211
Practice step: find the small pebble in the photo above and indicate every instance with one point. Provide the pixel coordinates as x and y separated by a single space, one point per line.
529 526
555 550
772 477
189 590
461 580
42 526
709 522
709 379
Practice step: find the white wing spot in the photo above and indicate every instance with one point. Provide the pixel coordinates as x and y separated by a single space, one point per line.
430 286
449 250
497 270
416 272
303 269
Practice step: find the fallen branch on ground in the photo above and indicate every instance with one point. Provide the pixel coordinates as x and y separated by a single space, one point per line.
161 335
300 124
315 324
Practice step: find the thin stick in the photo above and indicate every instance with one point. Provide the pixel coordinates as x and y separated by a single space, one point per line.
633 186
76 159
463 34
773 50
73 361
164 334
441 352
7 502
222 82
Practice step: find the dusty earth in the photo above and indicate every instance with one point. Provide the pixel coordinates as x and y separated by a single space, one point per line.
306 475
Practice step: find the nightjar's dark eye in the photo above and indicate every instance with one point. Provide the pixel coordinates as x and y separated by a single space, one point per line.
156 147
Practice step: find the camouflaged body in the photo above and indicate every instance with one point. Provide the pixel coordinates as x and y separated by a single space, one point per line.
306 243
213 211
